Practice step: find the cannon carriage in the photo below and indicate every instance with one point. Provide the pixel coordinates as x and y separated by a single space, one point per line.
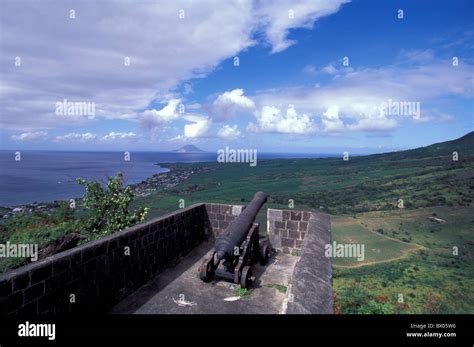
238 248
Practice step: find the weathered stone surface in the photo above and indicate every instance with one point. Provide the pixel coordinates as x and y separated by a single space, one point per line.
34 292
293 234
275 215
5 288
40 273
236 210
296 215
287 224
292 225
287 242
21 281
311 288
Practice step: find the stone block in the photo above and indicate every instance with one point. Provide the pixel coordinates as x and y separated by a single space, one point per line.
293 234
303 226
291 225
5 288
21 281
286 242
41 273
274 215
34 292
296 215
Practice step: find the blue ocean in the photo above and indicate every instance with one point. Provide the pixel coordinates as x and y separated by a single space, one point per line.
43 176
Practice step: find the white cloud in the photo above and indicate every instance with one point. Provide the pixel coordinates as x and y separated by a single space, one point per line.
229 132
75 137
272 119
329 69
198 128
153 117
226 104
331 121
374 124
234 97
113 136
252 127
193 106
358 95
279 17
415 56
84 58
31 136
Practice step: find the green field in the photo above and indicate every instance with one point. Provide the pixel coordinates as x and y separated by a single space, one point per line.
378 248
431 279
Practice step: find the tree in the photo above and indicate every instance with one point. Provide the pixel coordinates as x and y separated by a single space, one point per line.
109 208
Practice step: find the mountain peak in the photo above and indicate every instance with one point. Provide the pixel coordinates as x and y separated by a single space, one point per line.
188 149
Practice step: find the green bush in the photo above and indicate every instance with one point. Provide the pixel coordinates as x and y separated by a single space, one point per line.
374 307
356 299
109 208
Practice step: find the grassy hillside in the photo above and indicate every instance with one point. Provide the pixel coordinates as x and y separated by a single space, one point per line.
430 278
362 184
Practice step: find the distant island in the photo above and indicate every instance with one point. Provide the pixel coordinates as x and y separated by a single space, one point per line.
189 149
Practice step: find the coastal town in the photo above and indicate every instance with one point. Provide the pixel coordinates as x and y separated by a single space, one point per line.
160 181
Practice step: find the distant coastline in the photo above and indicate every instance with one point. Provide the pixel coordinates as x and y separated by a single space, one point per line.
42 177
161 180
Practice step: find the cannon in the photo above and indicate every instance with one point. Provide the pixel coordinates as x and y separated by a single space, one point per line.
237 248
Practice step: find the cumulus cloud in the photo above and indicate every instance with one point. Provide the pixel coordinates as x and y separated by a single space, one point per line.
353 100
119 137
226 104
331 121
198 128
229 132
152 118
76 137
272 119
30 136
125 53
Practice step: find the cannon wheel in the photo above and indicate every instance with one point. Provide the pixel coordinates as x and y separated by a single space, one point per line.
264 255
205 274
245 277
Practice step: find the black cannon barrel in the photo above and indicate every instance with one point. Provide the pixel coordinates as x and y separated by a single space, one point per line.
238 229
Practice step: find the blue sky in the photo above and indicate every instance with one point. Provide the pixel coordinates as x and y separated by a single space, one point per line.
312 76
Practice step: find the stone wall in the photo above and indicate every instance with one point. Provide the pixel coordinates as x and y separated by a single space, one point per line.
99 274
220 216
287 229
305 234
311 284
